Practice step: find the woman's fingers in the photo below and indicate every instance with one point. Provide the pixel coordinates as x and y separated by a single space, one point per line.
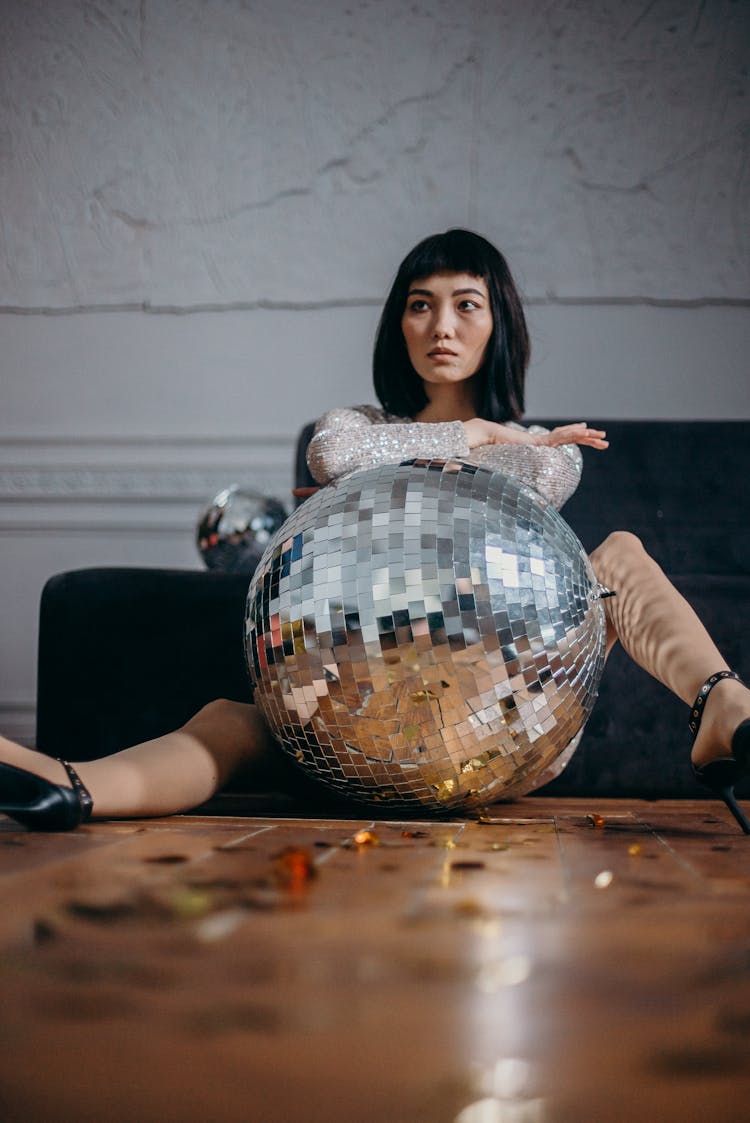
578 433
488 432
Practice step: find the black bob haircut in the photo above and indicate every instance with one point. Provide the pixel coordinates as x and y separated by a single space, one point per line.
502 375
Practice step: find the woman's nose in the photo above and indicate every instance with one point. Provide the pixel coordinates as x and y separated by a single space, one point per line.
443 325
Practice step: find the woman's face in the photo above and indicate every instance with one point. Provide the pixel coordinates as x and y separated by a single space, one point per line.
447 323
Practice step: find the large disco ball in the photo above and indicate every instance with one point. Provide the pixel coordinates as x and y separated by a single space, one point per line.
236 528
427 634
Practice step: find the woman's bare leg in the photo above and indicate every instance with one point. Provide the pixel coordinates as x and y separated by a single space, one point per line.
172 773
661 632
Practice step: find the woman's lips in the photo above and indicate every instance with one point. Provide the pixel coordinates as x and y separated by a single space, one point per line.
441 353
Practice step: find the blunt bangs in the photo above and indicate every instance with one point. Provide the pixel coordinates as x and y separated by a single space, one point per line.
501 377
456 251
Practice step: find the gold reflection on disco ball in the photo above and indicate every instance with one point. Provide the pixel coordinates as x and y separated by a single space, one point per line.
428 634
236 528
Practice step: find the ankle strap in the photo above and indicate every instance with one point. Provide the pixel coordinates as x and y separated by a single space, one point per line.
81 791
696 714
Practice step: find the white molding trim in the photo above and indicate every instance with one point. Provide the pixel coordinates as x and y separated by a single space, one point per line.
152 469
182 529
243 440
181 483
144 440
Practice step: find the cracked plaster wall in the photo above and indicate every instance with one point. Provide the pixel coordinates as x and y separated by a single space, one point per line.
228 156
202 199
185 153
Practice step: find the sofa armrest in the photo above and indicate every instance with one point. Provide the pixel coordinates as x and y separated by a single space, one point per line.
129 654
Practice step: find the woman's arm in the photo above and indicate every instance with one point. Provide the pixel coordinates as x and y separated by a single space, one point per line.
480 432
550 461
349 439
346 440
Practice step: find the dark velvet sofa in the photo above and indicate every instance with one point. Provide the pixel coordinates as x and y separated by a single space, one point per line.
126 654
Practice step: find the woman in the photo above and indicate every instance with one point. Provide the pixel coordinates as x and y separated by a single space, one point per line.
450 361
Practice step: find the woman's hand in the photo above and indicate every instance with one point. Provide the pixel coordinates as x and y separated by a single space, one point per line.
480 432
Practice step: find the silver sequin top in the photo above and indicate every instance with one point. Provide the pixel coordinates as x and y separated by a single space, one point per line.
346 440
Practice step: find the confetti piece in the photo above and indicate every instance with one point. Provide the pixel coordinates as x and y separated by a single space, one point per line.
367 838
420 696
604 879
294 867
189 904
469 907
220 925
467 865
634 849
597 821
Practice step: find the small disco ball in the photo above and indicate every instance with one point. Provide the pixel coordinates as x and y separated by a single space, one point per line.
429 634
235 530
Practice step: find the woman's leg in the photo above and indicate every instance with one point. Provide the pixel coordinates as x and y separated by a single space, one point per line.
661 632
172 773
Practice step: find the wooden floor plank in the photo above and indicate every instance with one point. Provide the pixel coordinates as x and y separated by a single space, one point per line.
323 969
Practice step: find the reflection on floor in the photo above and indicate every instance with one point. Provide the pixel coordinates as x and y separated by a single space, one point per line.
548 962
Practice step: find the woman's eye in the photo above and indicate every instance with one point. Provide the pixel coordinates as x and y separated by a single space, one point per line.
468 305
418 306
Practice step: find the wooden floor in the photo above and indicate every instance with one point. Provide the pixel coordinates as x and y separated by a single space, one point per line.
558 962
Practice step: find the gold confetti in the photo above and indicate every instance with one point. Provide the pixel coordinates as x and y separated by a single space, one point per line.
367 838
598 822
294 868
420 696
444 788
468 907
634 849
189 904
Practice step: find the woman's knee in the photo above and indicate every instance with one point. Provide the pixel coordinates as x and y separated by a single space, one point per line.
621 540
219 712
619 548
619 543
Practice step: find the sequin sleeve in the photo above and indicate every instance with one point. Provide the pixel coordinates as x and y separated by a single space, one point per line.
348 439
553 472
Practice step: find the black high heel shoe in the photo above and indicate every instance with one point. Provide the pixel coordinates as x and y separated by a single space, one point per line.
722 774
39 804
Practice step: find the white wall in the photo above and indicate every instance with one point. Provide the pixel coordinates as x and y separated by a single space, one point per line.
202 205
